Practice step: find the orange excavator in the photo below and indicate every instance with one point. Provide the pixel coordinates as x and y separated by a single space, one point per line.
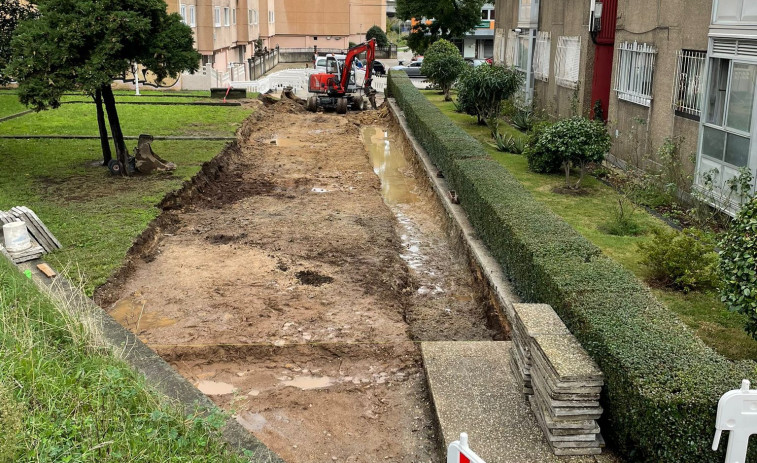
336 88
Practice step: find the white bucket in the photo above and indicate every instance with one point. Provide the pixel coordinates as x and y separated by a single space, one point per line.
16 237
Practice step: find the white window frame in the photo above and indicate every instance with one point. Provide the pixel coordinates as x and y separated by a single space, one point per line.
192 16
255 16
226 16
689 84
234 16
634 76
542 51
568 61
217 16
183 13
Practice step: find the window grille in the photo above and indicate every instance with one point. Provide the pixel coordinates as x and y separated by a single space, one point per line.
688 88
541 56
635 69
511 50
568 61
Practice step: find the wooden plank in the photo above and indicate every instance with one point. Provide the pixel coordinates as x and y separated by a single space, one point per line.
47 270
41 224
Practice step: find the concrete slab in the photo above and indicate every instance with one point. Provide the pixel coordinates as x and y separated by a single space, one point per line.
474 391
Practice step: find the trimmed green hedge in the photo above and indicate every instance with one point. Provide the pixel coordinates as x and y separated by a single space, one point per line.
662 382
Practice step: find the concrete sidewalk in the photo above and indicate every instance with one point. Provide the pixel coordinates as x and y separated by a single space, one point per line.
475 392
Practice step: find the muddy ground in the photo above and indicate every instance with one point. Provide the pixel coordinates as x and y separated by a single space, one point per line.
281 286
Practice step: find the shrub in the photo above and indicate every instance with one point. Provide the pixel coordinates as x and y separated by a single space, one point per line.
682 261
523 119
658 375
738 265
539 160
442 64
622 221
482 89
376 32
508 143
576 141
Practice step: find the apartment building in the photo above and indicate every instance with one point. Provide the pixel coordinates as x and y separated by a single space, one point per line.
224 30
655 70
479 43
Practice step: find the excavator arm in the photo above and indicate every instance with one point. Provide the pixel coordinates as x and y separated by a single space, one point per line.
369 48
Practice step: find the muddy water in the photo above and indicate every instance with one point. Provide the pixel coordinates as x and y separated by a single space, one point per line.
446 304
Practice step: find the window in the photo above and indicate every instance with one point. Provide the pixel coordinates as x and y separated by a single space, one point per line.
487 15
270 17
217 16
315 38
234 16
192 19
688 87
728 123
541 56
249 17
183 13
522 50
633 79
255 16
226 16
568 61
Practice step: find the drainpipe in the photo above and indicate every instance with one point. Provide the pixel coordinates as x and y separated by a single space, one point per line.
530 66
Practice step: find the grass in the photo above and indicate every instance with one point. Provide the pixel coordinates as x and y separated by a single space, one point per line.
64 397
94 215
702 311
9 104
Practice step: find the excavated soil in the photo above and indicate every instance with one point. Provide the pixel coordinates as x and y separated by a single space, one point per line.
283 285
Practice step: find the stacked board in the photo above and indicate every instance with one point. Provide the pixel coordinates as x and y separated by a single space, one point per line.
43 241
559 378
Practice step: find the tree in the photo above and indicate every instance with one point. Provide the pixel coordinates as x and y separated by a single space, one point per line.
738 265
81 45
375 32
442 64
576 142
482 89
11 13
448 19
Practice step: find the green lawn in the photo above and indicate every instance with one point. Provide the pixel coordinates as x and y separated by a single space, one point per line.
701 311
94 215
66 398
9 104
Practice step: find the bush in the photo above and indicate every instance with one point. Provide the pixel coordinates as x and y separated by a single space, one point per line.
622 222
680 260
482 89
576 141
376 32
523 119
442 64
540 160
658 375
738 265
508 143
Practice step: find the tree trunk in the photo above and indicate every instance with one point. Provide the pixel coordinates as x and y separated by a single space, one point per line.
582 172
104 143
566 166
115 128
446 93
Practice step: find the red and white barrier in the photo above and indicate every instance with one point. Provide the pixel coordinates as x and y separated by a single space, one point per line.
459 452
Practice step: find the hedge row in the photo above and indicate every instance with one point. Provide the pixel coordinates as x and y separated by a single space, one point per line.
662 382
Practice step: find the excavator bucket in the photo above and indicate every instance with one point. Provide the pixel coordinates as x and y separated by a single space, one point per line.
146 160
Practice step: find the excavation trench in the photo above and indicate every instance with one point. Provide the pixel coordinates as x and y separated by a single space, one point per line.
294 287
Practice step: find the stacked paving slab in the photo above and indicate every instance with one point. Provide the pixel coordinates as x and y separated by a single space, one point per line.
561 381
43 241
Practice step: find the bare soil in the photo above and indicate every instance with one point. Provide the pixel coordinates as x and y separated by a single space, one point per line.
276 283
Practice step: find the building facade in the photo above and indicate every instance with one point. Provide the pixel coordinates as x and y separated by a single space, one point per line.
655 70
479 43
226 31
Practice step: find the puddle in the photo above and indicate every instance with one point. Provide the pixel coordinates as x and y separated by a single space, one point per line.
215 388
445 292
132 313
309 382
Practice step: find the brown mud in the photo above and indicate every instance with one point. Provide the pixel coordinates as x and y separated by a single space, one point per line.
288 285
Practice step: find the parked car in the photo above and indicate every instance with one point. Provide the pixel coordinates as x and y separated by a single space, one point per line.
412 70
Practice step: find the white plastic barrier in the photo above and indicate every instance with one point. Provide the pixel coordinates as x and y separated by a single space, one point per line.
737 413
459 452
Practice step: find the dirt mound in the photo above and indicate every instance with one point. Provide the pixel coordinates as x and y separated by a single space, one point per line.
309 277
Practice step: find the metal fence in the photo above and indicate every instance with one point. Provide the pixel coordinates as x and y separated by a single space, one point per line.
688 87
635 70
